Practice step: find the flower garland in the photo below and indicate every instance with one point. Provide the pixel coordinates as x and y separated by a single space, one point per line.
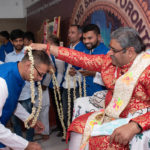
56 84
80 87
84 85
74 91
74 88
35 112
69 98
59 110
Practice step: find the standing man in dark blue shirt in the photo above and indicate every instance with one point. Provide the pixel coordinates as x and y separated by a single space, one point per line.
92 41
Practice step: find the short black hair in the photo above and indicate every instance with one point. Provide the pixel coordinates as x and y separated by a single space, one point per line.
77 26
29 35
54 39
39 56
5 34
17 33
91 27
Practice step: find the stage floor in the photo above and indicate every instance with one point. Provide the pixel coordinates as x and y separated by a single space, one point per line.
53 143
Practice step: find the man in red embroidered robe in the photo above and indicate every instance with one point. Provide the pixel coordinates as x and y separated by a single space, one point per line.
125 46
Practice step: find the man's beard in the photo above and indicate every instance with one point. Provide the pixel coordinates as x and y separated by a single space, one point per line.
18 48
92 46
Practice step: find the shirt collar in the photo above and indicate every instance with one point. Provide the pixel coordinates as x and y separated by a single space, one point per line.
72 47
14 52
95 49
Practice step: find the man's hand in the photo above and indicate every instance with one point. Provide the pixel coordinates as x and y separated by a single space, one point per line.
87 73
33 146
72 72
125 133
38 46
39 127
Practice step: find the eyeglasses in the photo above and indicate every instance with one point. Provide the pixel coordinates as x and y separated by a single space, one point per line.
40 74
117 51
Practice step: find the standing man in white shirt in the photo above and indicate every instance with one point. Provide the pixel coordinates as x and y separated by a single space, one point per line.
17 39
74 36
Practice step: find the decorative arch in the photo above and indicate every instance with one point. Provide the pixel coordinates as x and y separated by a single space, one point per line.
138 17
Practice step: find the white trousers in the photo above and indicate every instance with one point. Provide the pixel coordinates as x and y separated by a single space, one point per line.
44 113
75 141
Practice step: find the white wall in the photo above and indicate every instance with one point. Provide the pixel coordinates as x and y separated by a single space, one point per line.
14 8
11 9
28 3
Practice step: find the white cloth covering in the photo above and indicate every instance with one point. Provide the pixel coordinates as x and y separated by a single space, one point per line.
82 106
98 79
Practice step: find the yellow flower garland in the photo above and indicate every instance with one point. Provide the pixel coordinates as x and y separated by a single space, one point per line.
35 112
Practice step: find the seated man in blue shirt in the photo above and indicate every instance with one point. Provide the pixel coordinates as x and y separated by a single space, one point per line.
6 46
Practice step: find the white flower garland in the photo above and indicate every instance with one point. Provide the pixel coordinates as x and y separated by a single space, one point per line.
69 99
59 109
35 112
80 87
74 89
84 85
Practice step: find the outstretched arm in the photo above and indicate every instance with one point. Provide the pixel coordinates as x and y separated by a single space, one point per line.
76 58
